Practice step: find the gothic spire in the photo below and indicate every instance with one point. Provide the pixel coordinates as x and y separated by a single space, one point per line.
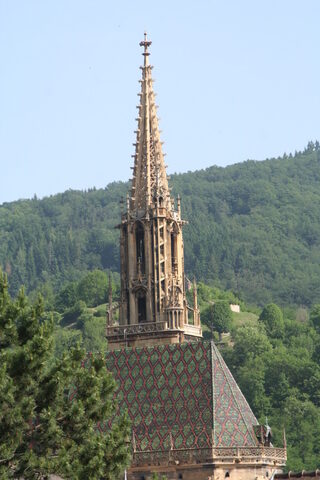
149 182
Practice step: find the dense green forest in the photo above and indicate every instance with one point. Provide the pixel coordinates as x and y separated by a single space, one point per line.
254 228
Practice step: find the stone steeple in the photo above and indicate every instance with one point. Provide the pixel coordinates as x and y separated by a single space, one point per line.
149 182
153 305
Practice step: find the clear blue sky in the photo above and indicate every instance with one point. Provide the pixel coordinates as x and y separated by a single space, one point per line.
235 79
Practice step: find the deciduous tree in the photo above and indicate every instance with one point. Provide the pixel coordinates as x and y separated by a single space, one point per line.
272 318
315 316
219 317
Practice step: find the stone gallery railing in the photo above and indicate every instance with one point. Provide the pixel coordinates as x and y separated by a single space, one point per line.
191 329
260 454
250 452
150 327
125 330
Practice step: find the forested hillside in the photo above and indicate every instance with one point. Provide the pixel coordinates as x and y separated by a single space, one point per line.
254 228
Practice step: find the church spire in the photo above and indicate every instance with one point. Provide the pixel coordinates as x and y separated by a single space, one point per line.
149 182
153 303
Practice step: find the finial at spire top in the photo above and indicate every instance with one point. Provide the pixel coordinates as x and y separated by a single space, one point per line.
145 43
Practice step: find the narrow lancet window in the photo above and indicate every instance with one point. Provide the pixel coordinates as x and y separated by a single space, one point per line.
142 310
140 248
173 251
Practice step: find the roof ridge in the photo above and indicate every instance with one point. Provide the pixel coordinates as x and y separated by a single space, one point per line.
213 396
226 371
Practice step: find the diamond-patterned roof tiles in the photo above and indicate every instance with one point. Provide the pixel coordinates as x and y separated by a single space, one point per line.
181 396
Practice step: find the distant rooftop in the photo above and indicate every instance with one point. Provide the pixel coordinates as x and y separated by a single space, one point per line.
294 476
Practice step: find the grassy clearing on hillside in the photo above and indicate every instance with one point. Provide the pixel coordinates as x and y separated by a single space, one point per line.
244 318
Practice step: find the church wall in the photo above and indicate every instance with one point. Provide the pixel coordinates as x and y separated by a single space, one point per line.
205 472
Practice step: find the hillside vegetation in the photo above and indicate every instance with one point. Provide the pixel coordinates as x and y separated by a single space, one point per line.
254 228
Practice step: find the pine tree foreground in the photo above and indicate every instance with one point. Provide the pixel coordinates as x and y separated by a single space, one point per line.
44 428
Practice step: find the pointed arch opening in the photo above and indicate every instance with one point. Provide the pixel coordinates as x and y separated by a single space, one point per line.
140 248
142 306
174 247
173 250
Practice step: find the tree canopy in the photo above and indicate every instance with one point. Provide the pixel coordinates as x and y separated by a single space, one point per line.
272 318
315 316
218 317
57 415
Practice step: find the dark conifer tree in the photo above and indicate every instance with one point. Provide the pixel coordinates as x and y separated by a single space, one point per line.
56 416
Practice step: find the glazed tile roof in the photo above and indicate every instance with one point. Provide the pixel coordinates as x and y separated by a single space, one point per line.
181 396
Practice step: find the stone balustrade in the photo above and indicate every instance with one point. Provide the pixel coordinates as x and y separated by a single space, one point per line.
150 327
259 454
137 328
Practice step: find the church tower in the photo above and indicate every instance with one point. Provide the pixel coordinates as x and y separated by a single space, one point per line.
189 418
153 305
